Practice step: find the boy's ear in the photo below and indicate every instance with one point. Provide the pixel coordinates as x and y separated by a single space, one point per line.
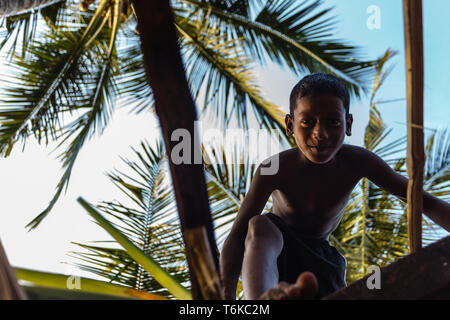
349 122
289 125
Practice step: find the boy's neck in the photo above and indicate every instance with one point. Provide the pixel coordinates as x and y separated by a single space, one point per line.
302 159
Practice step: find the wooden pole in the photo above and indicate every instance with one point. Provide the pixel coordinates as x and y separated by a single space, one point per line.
176 111
412 13
9 287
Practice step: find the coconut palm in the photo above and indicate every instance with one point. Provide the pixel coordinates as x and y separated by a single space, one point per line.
68 67
148 217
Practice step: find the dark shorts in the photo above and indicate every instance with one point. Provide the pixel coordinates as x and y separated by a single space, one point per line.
303 254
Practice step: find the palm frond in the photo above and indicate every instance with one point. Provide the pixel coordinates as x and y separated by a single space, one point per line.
381 73
437 166
100 103
228 175
218 66
150 219
59 281
20 29
50 77
132 82
292 34
153 268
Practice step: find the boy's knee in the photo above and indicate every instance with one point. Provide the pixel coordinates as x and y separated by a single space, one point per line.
262 233
257 226
262 229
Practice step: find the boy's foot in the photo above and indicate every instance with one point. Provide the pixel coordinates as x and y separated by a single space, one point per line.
306 287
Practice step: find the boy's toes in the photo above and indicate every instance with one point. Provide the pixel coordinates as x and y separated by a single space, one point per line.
274 294
283 286
306 287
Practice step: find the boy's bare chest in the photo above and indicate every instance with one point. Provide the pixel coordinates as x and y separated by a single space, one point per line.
314 199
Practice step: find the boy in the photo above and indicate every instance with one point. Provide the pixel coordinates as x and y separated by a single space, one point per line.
310 192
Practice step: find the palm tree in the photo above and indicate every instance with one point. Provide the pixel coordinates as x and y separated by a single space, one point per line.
146 225
148 217
77 64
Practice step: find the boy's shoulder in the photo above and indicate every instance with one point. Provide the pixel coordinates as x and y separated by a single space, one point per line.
363 162
351 151
356 156
357 153
281 159
270 169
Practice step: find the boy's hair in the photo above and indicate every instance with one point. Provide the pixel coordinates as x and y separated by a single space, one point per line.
316 84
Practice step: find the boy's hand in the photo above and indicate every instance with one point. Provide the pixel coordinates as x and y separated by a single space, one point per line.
305 288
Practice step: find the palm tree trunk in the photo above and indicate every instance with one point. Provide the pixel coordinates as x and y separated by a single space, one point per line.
176 110
9 287
13 7
412 12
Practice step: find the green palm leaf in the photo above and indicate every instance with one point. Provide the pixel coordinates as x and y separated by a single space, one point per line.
59 281
21 28
100 106
151 221
144 260
48 75
292 34
220 67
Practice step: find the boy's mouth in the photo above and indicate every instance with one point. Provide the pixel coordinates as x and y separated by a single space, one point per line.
319 147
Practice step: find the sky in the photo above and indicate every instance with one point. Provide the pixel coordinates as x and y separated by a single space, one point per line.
28 179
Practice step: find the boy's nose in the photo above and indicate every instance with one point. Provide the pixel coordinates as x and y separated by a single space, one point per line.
320 133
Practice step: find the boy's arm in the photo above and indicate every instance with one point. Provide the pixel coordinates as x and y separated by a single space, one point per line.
380 173
233 249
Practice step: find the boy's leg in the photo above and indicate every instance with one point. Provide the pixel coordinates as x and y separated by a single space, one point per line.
262 247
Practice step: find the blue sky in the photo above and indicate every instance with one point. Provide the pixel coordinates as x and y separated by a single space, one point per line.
29 178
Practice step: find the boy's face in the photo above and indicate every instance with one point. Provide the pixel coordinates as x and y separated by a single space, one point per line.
319 126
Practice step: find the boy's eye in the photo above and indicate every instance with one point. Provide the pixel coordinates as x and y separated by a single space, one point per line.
334 122
307 122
